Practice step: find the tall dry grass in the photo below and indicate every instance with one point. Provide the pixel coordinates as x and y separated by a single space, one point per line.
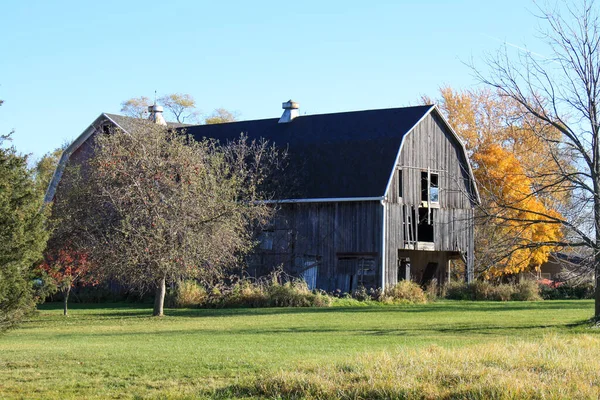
272 291
555 368
404 292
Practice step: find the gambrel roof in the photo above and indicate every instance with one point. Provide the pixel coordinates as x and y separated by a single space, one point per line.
338 156
341 155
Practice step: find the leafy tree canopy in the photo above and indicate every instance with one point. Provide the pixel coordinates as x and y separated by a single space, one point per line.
23 235
160 207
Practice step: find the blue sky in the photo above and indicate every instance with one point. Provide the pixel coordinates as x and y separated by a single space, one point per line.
63 63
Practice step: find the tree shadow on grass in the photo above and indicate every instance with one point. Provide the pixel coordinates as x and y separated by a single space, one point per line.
438 332
138 310
326 326
452 307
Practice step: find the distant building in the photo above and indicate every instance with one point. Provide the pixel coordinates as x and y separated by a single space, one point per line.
559 266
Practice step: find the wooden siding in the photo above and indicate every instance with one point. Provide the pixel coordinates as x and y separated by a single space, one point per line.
79 158
324 231
431 145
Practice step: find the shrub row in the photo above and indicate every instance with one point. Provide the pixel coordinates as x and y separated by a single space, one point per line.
524 291
272 292
567 291
293 293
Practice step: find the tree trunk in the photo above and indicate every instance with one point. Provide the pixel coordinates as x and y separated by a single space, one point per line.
66 293
596 182
597 265
159 298
597 294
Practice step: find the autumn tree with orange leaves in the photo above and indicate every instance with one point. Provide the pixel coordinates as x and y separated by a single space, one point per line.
560 92
510 164
513 235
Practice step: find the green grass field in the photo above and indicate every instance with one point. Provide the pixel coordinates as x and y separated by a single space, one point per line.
119 351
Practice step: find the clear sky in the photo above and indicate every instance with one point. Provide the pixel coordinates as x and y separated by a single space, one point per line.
62 63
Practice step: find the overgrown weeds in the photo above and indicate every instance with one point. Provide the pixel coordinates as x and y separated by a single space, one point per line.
276 290
404 292
279 290
190 294
272 293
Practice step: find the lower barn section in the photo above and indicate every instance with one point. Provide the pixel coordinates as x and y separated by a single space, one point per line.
422 266
333 246
338 247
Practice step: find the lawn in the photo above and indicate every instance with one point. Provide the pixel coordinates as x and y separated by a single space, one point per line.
119 351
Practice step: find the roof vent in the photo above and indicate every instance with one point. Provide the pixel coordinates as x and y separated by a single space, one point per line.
156 115
290 112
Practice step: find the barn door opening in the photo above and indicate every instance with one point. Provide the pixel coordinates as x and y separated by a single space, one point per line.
429 273
425 226
308 266
403 268
356 270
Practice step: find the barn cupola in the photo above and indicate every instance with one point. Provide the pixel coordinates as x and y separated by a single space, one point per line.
156 114
290 111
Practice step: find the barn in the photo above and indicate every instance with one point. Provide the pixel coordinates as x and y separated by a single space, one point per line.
379 195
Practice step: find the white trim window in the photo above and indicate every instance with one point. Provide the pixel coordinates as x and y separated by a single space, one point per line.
430 188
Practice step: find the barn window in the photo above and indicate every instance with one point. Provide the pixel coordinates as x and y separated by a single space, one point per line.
430 187
434 188
266 240
424 186
400 183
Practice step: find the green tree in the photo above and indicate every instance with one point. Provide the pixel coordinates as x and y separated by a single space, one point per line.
23 235
45 167
154 206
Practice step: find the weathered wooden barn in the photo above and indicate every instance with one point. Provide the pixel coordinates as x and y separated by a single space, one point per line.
380 195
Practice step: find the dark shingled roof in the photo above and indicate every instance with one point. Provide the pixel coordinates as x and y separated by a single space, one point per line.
125 122
341 155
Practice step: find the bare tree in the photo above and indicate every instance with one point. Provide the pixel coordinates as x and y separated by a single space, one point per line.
561 92
155 206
